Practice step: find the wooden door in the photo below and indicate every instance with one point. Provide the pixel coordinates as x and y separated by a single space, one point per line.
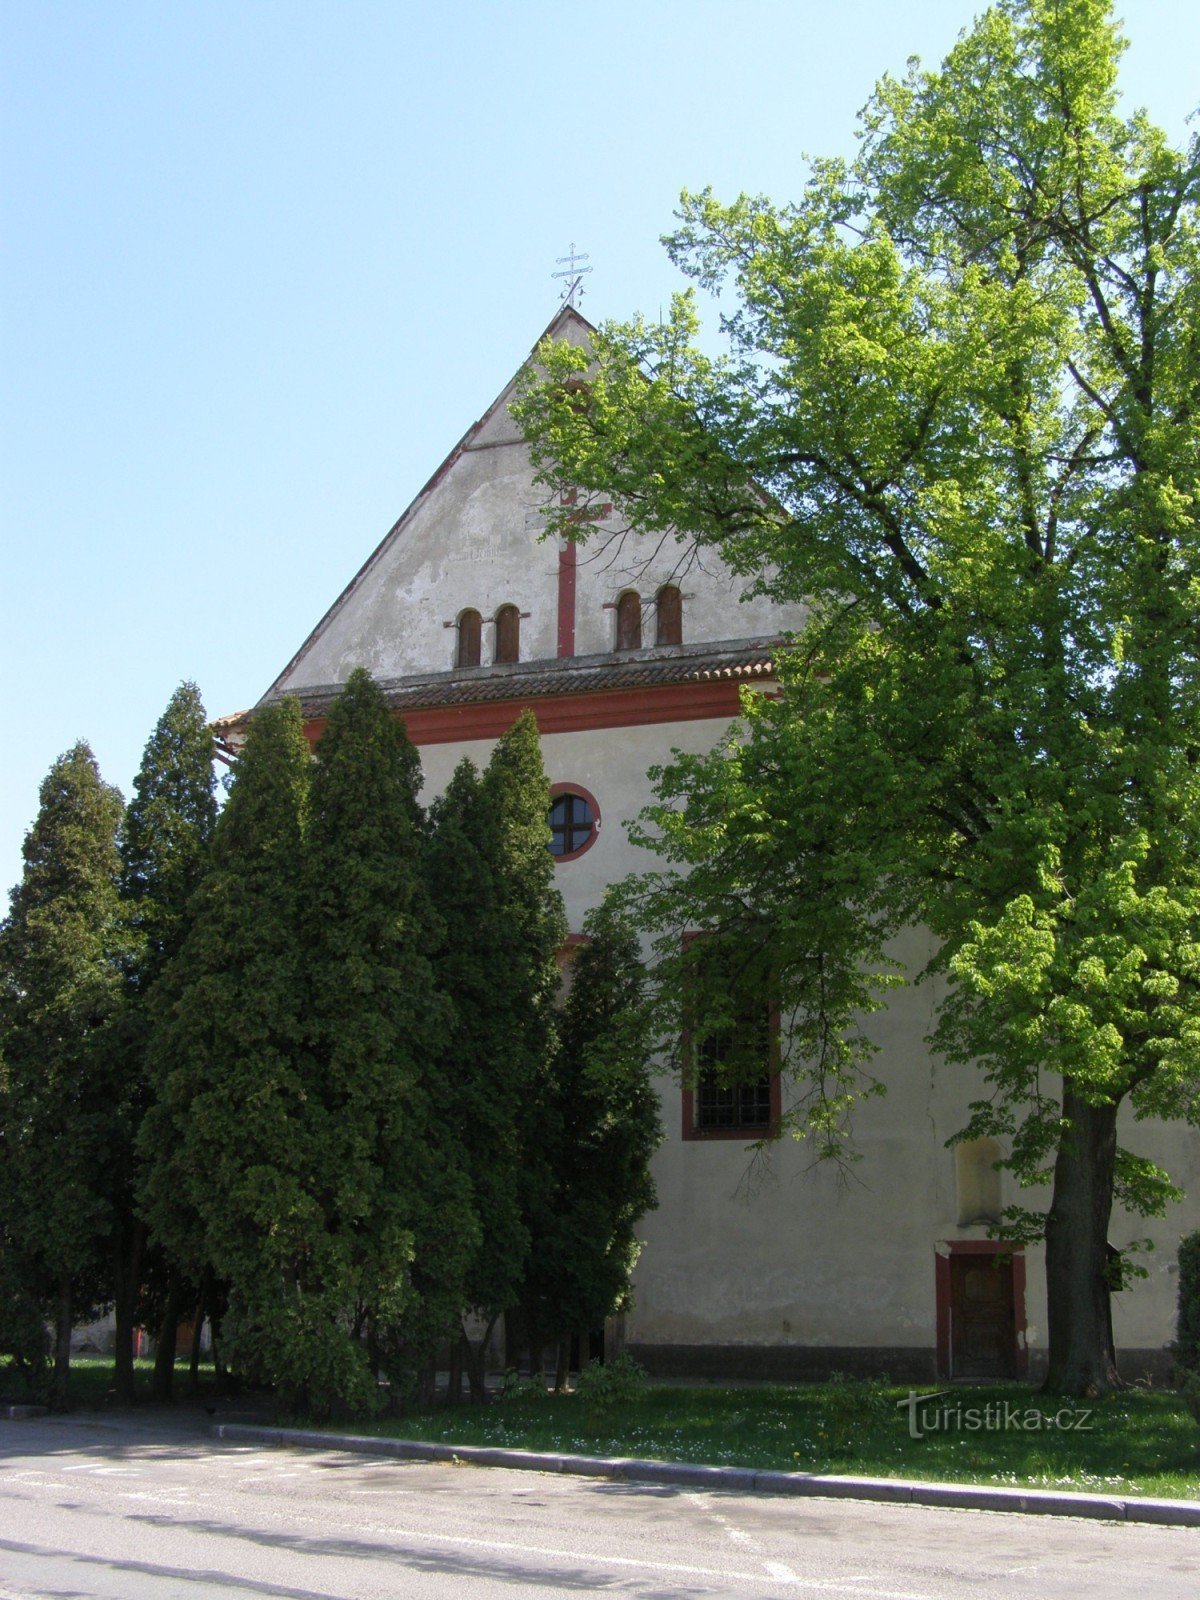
983 1338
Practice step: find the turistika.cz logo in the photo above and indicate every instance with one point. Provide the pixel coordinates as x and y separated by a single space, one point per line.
997 1416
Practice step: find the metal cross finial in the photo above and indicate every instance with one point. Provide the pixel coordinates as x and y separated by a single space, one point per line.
575 273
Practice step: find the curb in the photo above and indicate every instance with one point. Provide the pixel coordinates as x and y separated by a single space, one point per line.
895 1491
20 1413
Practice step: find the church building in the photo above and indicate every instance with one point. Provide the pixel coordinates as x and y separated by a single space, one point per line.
754 1266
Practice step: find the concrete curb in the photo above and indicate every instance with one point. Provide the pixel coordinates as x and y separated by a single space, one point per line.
685 1475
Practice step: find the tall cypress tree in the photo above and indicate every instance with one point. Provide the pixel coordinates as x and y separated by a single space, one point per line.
63 952
532 928
481 1074
228 1144
602 1129
397 1207
164 850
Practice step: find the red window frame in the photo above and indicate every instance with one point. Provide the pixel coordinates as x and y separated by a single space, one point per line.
557 789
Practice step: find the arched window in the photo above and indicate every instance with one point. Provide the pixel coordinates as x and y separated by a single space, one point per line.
668 611
629 622
470 629
508 634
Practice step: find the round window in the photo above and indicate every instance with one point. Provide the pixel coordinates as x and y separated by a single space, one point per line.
574 821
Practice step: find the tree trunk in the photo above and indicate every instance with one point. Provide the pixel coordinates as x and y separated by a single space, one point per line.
563 1370
512 1340
128 1279
585 1351
62 1346
1077 1286
168 1337
454 1376
476 1362
197 1331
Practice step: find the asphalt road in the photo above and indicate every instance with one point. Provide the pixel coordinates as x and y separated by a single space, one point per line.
159 1511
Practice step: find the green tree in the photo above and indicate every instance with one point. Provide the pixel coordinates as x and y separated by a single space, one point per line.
391 1182
491 877
164 850
598 1133
958 418
63 948
228 1144
530 930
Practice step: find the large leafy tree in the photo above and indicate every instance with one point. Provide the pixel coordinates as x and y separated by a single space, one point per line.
164 852
391 1181
63 951
600 1127
958 417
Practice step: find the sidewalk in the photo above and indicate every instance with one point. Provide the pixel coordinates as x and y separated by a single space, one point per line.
684 1475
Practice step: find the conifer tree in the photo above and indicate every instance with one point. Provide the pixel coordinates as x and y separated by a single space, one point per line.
229 1144
63 948
602 1128
531 928
164 850
481 1074
391 1180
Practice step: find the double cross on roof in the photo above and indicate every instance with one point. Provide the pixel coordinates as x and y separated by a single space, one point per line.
574 272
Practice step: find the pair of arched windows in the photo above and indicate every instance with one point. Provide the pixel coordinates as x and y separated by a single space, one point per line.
507 645
668 618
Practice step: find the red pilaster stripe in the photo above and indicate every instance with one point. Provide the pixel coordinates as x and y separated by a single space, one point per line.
566 600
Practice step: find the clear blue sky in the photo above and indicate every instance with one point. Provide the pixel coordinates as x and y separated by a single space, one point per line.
263 263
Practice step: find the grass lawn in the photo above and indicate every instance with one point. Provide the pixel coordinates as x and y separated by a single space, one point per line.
92 1380
1139 1442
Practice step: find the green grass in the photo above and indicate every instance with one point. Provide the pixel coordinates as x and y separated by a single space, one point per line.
1140 1442
92 1381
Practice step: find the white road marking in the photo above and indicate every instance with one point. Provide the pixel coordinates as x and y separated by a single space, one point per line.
778 1570
423 1536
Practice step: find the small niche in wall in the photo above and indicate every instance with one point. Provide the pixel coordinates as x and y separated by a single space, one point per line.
977 1182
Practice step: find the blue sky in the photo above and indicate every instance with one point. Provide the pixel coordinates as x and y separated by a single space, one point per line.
261 265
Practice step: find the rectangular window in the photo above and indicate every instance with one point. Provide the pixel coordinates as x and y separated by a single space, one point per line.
731 1069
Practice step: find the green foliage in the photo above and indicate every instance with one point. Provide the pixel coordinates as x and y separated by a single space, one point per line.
482 1075
395 1197
530 929
599 1132
517 1390
228 1146
957 420
491 878
608 1387
168 829
1187 1327
64 947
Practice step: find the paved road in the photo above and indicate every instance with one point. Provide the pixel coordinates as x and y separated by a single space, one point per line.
162 1512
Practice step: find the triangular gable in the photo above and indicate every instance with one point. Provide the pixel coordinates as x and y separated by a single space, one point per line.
494 426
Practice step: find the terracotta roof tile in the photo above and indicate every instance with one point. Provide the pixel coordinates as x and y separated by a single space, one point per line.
739 660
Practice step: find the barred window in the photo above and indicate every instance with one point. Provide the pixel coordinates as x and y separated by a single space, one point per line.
731 1072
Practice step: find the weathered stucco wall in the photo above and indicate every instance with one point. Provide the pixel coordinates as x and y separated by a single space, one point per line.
772 1251
472 539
